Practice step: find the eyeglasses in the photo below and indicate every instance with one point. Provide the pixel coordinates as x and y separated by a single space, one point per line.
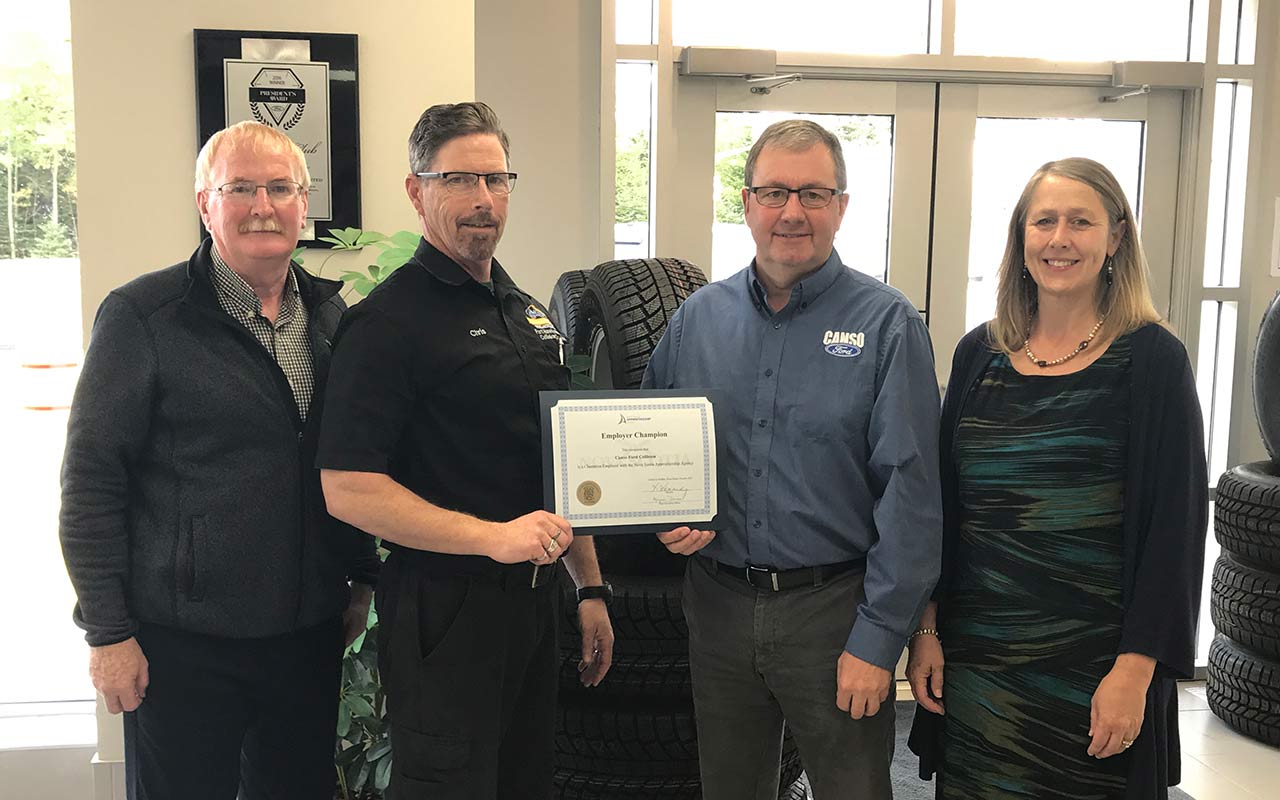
777 196
463 182
244 191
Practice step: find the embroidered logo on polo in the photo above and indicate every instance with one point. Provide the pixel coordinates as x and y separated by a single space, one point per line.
545 327
844 344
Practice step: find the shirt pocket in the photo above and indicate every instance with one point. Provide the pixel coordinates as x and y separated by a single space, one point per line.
832 402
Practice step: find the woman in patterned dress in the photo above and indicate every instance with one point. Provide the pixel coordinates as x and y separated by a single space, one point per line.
1075 492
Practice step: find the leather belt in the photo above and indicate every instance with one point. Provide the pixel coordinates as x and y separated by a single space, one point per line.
771 579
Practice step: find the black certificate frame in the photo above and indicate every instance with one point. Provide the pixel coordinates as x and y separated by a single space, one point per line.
341 52
547 401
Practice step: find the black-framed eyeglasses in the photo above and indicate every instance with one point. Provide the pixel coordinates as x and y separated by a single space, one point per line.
244 191
777 196
462 182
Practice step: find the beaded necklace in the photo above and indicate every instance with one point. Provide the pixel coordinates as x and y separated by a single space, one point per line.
1080 348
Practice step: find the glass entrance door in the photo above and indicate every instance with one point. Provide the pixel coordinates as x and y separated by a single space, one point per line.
992 138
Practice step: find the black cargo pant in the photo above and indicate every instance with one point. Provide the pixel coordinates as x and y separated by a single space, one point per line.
469 664
758 657
255 717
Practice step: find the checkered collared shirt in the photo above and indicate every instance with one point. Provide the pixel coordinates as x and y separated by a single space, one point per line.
286 340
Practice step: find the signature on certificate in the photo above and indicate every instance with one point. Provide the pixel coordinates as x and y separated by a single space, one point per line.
665 494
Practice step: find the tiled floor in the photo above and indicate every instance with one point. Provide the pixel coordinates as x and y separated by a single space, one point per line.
1217 762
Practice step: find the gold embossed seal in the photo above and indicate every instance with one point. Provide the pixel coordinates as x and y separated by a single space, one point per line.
588 493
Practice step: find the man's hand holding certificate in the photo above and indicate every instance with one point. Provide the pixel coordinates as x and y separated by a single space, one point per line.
632 462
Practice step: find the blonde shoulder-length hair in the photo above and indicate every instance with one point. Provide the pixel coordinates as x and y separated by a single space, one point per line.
1125 304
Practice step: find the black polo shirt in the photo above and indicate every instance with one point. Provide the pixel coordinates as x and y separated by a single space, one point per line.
435 382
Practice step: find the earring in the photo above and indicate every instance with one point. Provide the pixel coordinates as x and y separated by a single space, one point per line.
1111 270
1026 274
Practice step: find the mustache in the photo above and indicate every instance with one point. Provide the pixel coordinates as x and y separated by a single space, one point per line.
479 219
261 226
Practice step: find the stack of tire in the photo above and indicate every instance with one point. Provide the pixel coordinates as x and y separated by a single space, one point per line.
633 737
1243 686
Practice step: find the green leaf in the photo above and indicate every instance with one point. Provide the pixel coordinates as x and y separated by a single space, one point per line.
363 286
351 275
362 776
382 773
378 750
356 643
406 240
359 706
344 720
297 254
347 756
369 237
347 237
390 260
373 273
337 243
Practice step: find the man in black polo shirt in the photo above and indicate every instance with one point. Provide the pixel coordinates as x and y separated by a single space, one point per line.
431 440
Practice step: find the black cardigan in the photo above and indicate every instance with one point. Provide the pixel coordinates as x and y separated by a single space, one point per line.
1165 518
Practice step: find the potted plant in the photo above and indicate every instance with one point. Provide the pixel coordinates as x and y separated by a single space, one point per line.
363 752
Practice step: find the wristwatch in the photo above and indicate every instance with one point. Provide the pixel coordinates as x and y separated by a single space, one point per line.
602 592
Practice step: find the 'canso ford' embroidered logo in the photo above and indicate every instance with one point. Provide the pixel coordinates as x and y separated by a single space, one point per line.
843 344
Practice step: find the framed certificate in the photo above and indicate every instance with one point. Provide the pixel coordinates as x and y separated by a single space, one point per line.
304 85
634 461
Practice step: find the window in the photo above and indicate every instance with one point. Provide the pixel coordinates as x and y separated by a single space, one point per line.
863 238
634 19
40 349
1224 234
1086 30
1006 152
823 26
633 155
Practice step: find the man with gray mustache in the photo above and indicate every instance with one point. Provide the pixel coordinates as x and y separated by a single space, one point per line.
431 439
215 591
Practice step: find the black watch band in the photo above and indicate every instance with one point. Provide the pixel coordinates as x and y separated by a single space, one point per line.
602 592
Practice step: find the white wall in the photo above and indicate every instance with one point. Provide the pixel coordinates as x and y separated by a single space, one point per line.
133 66
538 64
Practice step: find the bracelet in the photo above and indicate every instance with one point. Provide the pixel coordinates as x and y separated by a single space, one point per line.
924 632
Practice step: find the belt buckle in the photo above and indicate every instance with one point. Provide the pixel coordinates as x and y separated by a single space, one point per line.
754 570
533 581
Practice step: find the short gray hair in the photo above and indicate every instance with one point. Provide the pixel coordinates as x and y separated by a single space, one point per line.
447 121
797 135
248 134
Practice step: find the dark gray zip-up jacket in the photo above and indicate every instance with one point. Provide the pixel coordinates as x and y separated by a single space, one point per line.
189 498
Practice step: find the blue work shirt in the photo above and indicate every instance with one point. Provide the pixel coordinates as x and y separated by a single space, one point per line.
830 432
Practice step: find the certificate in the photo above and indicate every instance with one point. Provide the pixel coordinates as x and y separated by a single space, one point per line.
631 461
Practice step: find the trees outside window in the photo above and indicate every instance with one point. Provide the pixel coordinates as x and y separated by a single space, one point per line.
37 149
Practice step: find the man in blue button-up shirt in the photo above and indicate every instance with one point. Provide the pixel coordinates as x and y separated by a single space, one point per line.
800 607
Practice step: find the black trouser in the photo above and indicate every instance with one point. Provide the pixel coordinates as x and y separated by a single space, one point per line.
469 664
225 716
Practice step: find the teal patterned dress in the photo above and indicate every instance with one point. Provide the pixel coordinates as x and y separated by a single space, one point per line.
1034 622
